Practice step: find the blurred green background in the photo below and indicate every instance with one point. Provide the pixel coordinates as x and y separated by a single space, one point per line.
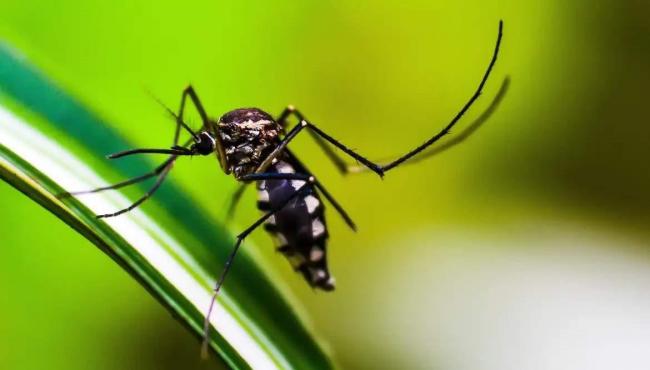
525 247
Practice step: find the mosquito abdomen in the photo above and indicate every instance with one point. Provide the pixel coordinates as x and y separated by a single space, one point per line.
299 228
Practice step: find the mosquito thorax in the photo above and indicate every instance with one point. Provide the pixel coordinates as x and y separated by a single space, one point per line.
248 135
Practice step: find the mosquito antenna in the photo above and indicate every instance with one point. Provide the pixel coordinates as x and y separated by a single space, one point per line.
178 119
165 107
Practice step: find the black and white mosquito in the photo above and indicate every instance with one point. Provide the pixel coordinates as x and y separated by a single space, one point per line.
252 145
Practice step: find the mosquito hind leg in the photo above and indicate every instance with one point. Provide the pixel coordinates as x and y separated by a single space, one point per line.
467 132
323 139
191 93
240 239
338 162
435 150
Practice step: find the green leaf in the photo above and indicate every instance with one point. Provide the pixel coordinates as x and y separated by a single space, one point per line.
50 143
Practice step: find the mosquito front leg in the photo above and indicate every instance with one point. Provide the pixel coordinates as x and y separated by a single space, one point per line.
148 194
131 181
178 118
191 93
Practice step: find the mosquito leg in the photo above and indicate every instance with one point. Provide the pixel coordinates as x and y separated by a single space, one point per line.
296 130
339 163
378 169
475 125
163 174
234 201
282 119
337 206
231 257
461 137
464 109
178 118
191 93
174 151
277 176
365 161
326 194
131 181
242 186
280 148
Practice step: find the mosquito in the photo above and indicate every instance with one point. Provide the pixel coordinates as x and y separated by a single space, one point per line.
252 145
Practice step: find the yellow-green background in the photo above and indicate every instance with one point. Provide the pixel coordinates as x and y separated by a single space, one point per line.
557 182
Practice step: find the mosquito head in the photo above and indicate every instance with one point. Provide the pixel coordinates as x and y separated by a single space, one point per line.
205 144
248 136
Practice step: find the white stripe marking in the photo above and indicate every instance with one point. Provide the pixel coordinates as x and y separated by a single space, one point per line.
263 196
297 184
284 167
317 227
312 203
282 240
317 274
316 254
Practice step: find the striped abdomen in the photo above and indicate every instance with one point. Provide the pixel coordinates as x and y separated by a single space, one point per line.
299 228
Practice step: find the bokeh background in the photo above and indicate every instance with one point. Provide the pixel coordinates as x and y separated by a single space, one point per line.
524 248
